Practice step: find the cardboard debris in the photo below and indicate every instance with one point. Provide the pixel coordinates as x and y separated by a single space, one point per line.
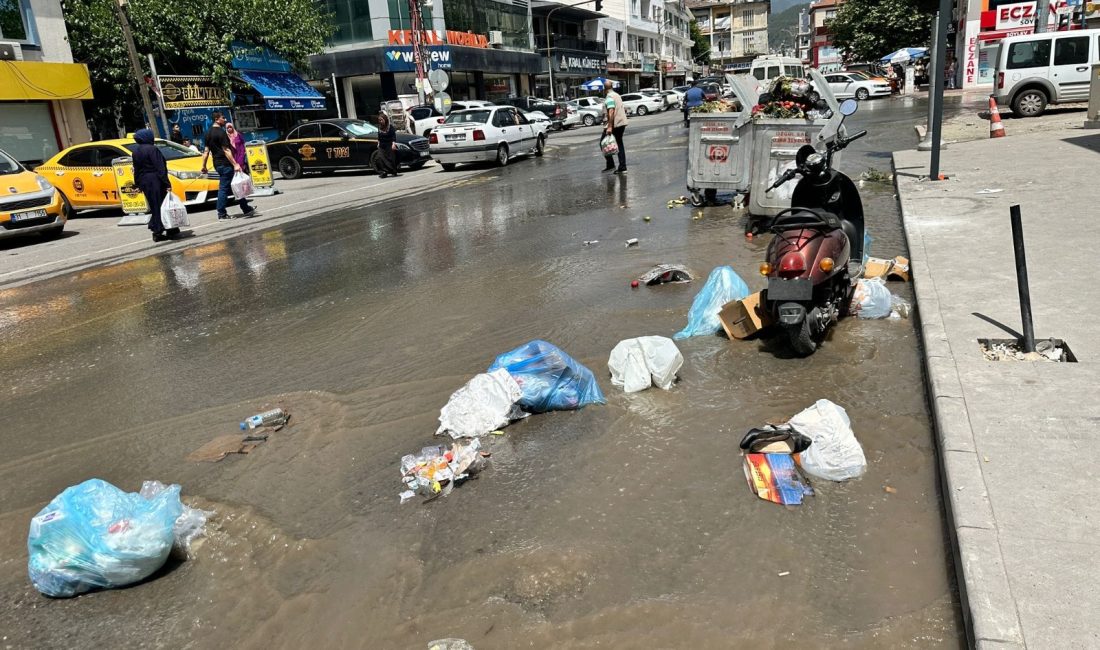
743 318
222 446
775 478
895 269
666 273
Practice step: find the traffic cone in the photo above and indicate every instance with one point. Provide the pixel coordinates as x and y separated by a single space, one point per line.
996 129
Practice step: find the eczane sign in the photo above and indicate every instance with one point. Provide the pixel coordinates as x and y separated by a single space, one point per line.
1023 14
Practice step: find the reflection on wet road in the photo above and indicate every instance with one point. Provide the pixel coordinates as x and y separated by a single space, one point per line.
627 525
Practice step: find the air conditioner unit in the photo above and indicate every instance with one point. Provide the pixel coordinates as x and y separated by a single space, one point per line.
11 51
496 38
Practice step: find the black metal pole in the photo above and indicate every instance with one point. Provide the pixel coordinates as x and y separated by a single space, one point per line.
1021 279
939 47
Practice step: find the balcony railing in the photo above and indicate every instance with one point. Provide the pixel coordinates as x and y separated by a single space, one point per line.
569 43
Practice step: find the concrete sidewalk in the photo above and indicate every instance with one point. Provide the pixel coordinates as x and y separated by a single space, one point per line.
1018 441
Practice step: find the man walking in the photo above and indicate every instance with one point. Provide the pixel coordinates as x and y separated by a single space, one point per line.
616 126
220 150
692 98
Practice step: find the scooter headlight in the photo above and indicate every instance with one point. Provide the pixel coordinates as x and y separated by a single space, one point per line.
815 161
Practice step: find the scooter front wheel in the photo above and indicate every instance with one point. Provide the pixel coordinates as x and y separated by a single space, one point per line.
801 338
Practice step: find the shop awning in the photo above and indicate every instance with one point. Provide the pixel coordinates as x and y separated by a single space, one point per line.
284 91
31 80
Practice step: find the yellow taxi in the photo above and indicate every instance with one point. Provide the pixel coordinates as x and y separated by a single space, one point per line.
28 202
83 173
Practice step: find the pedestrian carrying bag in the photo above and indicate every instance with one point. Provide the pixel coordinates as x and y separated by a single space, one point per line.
173 213
241 185
608 145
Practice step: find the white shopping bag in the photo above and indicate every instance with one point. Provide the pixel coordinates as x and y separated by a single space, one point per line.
173 213
241 185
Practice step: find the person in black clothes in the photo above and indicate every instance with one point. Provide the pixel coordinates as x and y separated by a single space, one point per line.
151 175
176 135
387 147
220 151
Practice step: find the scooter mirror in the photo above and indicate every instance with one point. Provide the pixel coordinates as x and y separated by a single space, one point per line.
804 152
848 107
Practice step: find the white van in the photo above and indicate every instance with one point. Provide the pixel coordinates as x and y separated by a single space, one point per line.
1049 68
767 68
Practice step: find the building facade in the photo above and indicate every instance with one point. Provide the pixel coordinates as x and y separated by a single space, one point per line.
825 56
737 29
648 42
565 37
41 89
804 42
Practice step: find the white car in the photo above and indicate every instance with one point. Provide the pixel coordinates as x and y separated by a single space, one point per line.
466 104
639 104
673 98
590 115
846 84
539 119
572 117
489 133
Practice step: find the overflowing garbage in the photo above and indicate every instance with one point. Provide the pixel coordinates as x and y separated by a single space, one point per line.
94 535
436 470
723 285
790 98
548 378
636 364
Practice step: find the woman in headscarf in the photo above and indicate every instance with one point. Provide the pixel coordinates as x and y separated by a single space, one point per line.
387 147
236 140
151 175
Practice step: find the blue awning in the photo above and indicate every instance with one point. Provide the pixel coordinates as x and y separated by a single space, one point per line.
284 91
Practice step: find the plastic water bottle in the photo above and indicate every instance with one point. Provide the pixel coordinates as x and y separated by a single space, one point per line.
272 418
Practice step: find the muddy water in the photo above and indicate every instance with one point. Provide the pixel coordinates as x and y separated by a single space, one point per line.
627 525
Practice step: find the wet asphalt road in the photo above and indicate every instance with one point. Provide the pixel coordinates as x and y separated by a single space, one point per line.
626 525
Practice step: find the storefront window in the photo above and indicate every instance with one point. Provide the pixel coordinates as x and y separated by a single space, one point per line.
26 131
13 26
499 87
399 15
350 21
484 16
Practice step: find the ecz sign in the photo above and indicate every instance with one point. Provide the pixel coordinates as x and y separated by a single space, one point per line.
1021 14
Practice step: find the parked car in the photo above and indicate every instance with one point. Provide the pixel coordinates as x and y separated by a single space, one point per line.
422 119
639 104
770 67
876 70
673 98
711 91
83 173
329 145
31 204
485 134
467 104
894 86
1028 78
847 84
572 117
589 115
538 118
595 103
682 89
555 110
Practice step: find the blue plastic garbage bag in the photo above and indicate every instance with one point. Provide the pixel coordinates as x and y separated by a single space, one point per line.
723 285
95 535
550 379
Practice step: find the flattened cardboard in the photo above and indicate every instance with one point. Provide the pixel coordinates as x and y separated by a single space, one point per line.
895 269
743 318
775 478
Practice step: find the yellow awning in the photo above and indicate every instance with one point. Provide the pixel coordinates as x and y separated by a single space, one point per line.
22 80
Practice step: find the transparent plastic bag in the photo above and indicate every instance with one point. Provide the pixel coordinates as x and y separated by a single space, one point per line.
96 535
835 454
241 185
608 145
189 525
723 285
871 299
549 378
637 364
487 402
173 213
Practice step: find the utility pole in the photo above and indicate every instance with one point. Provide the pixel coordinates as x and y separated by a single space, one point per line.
135 65
418 47
1044 16
160 94
940 48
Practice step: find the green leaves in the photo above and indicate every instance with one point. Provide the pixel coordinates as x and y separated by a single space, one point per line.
867 30
700 48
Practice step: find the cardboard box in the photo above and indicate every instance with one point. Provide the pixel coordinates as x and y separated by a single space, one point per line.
743 318
900 270
895 269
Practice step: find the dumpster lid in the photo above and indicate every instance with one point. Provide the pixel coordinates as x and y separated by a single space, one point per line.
747 90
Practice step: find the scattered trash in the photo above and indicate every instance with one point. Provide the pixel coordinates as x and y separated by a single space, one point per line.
638 363
498 432
94 535
866 245
895 269
550 380
450 644
274 418
631 242
889 490
647 218
435 471
1008 350
876 176
634 284
723 285
899 307
835 454
743 318
871 299
189 525
406 495
591 242
775 478
223 446
989 191
784 574
666 273
487 402
774 439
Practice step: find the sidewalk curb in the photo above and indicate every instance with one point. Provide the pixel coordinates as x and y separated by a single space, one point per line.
989 607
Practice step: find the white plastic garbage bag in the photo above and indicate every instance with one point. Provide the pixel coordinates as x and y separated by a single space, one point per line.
636 364
486 403
835 454
173 213
872 299
241 185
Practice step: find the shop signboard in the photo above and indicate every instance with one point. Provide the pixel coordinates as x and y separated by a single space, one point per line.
257 57
580 64
399 58
259 164
133 199
191 91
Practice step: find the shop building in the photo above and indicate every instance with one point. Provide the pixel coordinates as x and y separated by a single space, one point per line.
805 43
825 56
41 89
648 42
486 46
569 52
738 31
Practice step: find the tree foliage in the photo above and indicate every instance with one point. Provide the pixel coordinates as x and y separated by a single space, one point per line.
700 47
185 37
866 30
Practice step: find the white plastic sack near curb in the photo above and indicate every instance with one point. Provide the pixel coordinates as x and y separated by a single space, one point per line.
872 299
173 213
486 403
835 454
636 364
241 185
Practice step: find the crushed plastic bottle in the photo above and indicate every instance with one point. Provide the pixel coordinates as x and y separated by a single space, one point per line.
272 418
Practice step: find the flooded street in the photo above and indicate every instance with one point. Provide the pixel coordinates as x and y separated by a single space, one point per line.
623 526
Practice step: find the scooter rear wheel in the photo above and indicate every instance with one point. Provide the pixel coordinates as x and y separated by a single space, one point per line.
801 338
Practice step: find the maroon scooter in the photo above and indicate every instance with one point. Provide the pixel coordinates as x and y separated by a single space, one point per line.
816 255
